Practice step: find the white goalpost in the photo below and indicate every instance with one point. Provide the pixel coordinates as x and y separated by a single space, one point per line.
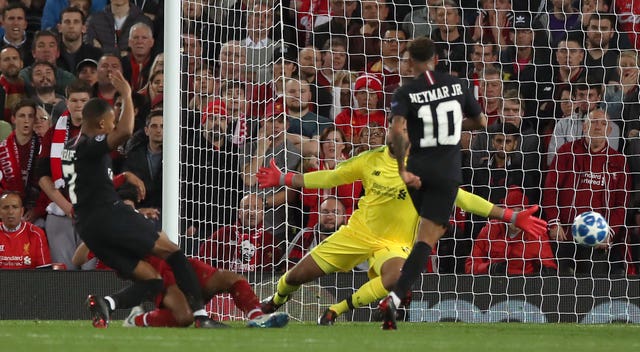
239 72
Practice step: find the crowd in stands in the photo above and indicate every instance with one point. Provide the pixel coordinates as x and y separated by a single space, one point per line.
308 84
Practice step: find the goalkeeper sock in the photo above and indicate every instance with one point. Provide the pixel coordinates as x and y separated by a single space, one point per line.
244 298
283 290
370 292
136 293
187 281
412 268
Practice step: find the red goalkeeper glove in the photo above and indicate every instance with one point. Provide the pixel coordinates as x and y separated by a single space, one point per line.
272 176
525 221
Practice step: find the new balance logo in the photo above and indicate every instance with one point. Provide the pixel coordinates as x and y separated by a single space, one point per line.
376 173
402 194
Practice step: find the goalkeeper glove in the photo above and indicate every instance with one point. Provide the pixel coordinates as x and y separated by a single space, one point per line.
525 221
272 176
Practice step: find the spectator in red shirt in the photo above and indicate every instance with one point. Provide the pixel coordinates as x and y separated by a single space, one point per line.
22 244
12 86
369 95
244 246
587 175
503 249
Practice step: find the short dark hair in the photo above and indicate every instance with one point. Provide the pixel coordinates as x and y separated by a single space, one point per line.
73 9
330 44
505 128
94 109
42 63
604 16
7 193
79 86
14 5
421 49
44 33
24 103
152 114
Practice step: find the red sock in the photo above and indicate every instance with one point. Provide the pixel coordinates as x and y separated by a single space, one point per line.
245 299
157 318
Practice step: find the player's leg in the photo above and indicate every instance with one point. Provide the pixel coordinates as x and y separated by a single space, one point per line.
185 275
147 284
237 286
434 202
385 266
341 251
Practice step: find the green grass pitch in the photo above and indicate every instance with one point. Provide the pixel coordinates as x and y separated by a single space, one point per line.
69 336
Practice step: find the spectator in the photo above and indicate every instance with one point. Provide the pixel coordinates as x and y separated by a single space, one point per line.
144 159
587 99
627 11
244 246
22 244
301 119
53 9
232 63
420 21
214 174
72 49
63 239
452 39
591 7
43 80
332 216
334 60
368 95
14 22
109 29
87 71
103 88
309 62
46 48
333 150
344 27
17 161
503 249
242 126
587 175
204 89
152 90
375 17
527 62
560 19
494 22
272 144
490 93
137 62
258 42
387 69
480 56
568 70
602 48
12 87
370 137
42 123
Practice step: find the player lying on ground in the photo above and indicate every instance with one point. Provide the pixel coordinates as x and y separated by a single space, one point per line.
172 309
381 230
118 235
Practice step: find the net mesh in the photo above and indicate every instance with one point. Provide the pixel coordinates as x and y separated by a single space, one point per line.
308 84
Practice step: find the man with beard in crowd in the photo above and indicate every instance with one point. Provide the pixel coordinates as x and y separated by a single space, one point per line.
43 79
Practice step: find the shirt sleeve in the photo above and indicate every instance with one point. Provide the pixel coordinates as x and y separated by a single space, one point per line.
345 173
473 203
400 103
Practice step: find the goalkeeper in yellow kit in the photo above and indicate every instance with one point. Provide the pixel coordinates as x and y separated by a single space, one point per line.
381 230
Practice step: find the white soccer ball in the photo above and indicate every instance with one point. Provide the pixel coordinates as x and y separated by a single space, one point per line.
590 229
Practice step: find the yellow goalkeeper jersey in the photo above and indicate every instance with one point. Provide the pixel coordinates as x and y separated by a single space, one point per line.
386 211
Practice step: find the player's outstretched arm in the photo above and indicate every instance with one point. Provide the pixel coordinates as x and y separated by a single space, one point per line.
124 128
522 219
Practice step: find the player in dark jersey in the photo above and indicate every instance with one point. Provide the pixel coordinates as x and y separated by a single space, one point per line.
119 236
428 115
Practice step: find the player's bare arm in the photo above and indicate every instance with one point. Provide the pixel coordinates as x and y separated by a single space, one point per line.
399 140
124 128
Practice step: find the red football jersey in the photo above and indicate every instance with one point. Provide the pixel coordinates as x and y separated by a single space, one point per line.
25 248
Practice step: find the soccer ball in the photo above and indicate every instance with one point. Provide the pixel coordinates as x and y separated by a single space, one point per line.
590 229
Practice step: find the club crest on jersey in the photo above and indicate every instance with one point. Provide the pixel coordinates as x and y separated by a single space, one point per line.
100 137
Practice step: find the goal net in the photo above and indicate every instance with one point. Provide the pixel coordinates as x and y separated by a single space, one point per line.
308 84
